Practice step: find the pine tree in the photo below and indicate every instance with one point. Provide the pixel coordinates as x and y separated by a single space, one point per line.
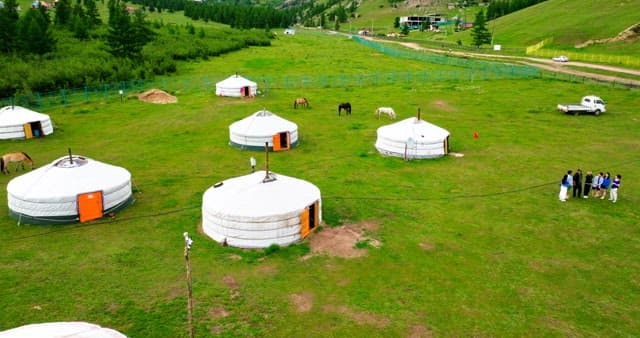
63 12
34 33
92 12
9 22
479 32
126 36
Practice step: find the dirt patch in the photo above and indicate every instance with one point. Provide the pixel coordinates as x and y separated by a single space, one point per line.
341 241
157 96
628 34
426 246
302 302
113 307
217 313
233 285
175 292
419 331
443 105
230 282
363 318
235 257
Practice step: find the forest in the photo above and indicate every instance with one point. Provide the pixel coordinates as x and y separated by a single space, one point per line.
45 49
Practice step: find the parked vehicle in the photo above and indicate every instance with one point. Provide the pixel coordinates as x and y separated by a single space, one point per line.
589 104
561 58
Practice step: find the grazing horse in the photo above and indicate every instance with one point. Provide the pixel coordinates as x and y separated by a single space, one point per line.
301 101
20 158
386 110
346 106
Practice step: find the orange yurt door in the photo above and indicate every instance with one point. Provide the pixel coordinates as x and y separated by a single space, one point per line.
90 206
281 141
309 219
28 133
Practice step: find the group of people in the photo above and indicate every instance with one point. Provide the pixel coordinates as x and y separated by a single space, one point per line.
595 186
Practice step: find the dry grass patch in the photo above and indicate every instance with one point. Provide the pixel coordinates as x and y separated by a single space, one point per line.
302 302
341 241
362 318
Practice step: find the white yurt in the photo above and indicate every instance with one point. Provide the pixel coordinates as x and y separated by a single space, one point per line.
413 138
61 330
258 210
236 86
262 127
69 189
20 122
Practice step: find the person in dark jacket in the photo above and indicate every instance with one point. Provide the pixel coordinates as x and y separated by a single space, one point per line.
588 181
577 183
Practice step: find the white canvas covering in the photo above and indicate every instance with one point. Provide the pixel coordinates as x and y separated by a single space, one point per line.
420 139
249 213
61 330
253 131
235 86
49 193
13 118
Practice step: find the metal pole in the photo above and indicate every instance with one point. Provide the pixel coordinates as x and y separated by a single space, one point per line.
187 249
70 157
266 162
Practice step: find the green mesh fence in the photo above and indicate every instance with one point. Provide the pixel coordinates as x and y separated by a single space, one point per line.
465 71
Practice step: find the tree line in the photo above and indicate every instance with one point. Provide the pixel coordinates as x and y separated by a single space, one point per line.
70 46
239 16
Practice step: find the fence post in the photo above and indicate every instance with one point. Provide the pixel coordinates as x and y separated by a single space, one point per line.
64 98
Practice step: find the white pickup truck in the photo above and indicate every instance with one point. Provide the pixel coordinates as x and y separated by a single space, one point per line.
589 104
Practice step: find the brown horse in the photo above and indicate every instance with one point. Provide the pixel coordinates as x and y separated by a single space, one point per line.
20 159
301 101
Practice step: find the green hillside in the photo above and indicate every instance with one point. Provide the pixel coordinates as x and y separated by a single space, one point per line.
568 22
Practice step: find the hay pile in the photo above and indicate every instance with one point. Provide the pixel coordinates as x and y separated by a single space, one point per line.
157 96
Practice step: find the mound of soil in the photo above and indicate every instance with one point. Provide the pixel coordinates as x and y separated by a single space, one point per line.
157 96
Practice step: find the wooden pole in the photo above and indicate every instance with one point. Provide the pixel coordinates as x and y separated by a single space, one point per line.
187 249
70 157
418 114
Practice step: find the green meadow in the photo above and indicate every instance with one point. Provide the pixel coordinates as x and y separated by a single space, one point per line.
477 245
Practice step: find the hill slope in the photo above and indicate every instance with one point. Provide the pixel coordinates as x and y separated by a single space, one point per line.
569 22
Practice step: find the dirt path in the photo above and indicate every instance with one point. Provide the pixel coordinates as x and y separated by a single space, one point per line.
539 63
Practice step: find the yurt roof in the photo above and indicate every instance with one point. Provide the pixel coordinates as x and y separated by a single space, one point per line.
16 115
63 179
262 123
235 81
250 197
62 330
418 130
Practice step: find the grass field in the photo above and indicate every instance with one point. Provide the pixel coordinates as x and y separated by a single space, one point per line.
471 246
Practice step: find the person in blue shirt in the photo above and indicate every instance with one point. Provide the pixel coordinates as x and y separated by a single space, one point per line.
606 181
564 185
597 182
614 188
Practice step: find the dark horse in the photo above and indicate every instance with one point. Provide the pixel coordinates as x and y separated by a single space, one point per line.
346 106
301 101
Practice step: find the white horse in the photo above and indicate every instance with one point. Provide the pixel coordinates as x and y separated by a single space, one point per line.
386 110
